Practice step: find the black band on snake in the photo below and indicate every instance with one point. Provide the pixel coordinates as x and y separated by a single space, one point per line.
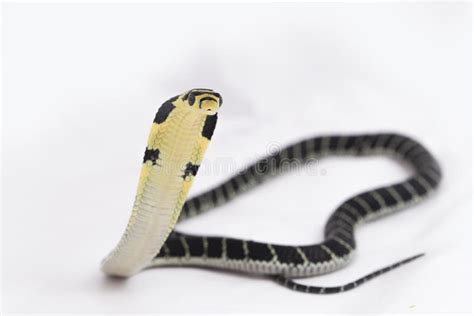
282 263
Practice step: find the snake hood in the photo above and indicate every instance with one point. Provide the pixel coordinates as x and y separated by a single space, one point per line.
178 139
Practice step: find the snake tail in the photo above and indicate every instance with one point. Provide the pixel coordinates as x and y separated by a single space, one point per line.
179 136
292 285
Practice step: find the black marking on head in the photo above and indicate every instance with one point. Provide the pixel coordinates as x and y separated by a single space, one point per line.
190 169
198 92
151 155
202 89
209 126
218 95
192 94
210 92
164 111
191 99
186 95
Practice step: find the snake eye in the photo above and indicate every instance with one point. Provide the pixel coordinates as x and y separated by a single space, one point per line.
191 99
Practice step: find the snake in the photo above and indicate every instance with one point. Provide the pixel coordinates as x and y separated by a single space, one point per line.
180 134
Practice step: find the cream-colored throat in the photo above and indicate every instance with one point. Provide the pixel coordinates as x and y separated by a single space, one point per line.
161 192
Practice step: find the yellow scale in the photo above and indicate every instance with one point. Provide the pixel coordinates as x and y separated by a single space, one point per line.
162 189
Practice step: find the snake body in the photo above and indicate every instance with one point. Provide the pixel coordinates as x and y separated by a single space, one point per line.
280 262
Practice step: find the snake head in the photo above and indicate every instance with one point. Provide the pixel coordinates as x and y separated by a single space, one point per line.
205 100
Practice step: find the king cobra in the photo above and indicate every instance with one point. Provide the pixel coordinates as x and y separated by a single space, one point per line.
180 134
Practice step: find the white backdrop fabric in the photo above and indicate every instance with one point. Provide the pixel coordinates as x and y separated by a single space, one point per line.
82 83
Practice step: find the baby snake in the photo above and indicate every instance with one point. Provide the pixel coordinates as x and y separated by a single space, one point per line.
179 136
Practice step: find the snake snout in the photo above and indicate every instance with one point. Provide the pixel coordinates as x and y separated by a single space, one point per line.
209 104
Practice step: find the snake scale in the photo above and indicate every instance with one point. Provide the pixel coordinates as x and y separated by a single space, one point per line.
180 134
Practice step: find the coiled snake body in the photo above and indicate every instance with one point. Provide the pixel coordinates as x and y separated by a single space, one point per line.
180 134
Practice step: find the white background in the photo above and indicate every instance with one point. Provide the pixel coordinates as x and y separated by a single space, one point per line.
82 83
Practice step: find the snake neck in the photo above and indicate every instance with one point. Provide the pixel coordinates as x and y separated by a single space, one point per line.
172 158
175 148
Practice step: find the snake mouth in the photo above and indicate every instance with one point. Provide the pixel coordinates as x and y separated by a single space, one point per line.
209 104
